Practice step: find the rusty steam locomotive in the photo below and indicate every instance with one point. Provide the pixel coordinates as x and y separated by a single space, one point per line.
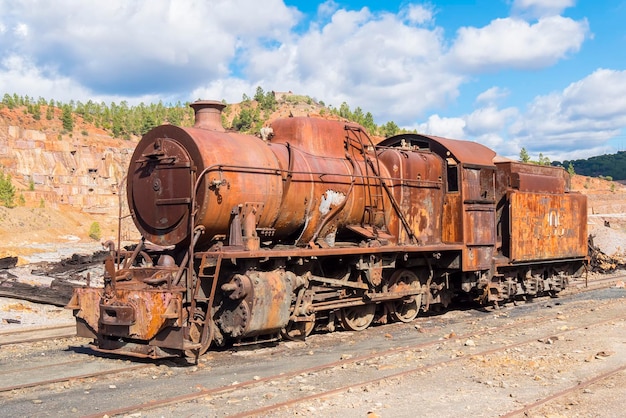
247 239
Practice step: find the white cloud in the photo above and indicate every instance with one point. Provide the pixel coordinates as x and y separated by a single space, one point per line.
489 120
492 95
600 95
419 14
540 8
382 62
21 30
157 46
374 61
444 127
229 89
583 117
515 43
327 9
577 122
485 125
18 75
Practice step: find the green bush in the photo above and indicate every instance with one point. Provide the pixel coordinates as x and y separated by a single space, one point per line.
7 191
94 231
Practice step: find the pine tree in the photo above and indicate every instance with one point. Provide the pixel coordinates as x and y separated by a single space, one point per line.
390 129
66 118
570 169
523 155
7 191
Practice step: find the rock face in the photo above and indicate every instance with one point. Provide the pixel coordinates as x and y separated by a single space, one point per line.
84 171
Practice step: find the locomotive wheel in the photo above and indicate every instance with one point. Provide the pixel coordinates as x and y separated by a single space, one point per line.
357 318
297 331
404 310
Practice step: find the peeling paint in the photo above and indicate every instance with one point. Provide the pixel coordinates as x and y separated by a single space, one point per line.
330 198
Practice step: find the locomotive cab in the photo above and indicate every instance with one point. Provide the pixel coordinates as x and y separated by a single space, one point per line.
467 213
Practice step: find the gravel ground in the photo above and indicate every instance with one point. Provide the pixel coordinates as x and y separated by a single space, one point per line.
15 314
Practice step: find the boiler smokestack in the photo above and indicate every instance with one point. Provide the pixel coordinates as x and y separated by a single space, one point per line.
208 114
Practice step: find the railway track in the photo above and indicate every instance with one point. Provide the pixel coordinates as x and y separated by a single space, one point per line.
324 381
64 371
579 386
583 284
34 334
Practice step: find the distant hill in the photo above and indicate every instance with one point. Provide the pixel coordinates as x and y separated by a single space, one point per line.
610 166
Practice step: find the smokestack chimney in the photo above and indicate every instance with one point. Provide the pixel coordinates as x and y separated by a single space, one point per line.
208 114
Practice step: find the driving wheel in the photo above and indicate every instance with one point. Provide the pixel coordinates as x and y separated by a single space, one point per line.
297 331
406 308
357 318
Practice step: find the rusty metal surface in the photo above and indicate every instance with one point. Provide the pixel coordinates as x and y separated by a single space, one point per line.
323 193
538 219
417 184
468 210
131 308
298 190
451 219
233 169
319 137
533 177
544 227
466 152
255 303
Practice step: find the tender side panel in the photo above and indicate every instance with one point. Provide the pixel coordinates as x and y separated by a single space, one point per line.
544 226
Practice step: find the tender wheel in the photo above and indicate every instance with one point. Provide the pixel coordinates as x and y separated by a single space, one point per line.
406 309
357 318
297 331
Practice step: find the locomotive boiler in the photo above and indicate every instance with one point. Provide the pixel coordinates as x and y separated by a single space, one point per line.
312 225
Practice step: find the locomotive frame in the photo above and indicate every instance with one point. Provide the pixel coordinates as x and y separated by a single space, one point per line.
248 239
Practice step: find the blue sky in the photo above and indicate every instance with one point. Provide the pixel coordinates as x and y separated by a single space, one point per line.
546 75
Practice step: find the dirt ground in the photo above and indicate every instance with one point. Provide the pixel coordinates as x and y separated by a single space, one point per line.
41 234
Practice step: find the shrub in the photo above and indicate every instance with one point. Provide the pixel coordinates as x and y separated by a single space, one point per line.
94 231
7 191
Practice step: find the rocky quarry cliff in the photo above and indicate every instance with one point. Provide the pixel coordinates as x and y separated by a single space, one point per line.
64 181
